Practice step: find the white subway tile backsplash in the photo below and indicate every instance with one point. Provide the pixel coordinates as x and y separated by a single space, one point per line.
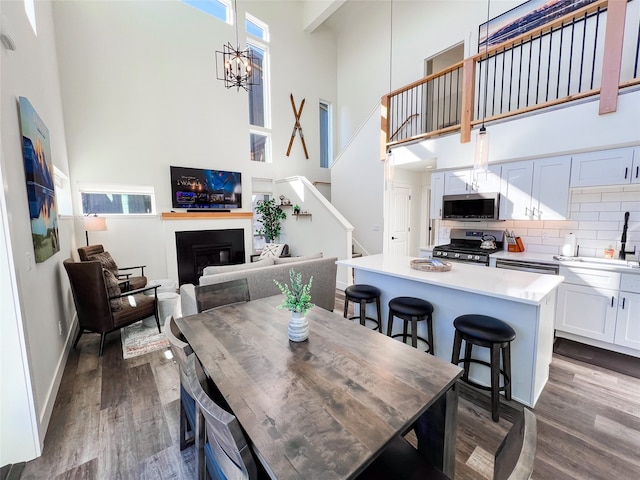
631 206
599 226
616 197
609 234
534 232
550 233
531 240
584 216
551 250
617 216
586 197
600 207
527 224
561 224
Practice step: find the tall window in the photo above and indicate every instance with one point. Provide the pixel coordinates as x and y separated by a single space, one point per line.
220 9
325 134
259 114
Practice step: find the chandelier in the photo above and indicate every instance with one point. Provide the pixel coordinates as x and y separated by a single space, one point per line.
235 67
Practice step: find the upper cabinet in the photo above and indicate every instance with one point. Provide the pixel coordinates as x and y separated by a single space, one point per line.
535 189
620 166
437 191
459 182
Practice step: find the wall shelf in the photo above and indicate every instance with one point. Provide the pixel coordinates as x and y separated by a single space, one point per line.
301 215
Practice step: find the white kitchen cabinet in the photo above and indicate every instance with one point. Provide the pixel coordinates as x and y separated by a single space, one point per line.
628 319
587 311
458 182
535 189
620 166
437 191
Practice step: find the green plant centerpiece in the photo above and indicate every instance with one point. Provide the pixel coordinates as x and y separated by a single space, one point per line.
298 302
270 217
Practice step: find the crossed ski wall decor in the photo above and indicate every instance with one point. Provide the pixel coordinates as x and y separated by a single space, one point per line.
297 128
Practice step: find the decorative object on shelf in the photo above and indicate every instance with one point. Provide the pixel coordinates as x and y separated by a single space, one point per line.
296 209
93 223
481 158
298 302
270 216
430 265
284 201
297 128
235 66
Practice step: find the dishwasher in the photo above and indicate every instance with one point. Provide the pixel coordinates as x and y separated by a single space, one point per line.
525 266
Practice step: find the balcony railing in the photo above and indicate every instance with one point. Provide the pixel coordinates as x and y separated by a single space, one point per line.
576 56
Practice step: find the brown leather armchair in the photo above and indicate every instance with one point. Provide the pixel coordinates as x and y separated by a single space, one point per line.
100 312
129 281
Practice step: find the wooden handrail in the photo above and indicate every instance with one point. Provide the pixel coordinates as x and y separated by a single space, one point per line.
408 119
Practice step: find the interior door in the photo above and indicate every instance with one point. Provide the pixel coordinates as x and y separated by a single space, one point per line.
399 220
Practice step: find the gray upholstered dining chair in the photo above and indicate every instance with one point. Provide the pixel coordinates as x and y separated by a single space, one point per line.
222 450
513 459
220 294
181 350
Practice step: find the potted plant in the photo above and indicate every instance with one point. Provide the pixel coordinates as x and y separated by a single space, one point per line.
270 216
298 302
296 209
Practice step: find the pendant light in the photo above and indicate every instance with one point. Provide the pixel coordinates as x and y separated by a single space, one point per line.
235 67
481 157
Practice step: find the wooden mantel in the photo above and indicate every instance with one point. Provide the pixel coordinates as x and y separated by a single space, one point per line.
206 215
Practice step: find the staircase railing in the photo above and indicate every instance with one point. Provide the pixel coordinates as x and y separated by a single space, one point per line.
576 56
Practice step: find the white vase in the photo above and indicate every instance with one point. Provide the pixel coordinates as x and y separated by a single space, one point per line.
298 327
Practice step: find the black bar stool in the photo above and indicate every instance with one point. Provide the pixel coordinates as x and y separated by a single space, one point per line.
411 310
363 294
485 331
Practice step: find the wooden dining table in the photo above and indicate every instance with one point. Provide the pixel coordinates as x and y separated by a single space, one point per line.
326 407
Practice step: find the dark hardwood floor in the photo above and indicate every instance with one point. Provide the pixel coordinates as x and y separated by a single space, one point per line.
118 419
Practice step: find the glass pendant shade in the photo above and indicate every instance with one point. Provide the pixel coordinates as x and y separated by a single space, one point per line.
481 158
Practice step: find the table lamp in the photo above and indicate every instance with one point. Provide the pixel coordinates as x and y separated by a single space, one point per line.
93 223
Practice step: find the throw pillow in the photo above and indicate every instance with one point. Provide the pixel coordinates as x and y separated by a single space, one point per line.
106 260
113 289
214 269
298 259
272 250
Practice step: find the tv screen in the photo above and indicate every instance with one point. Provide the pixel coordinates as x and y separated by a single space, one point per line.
196 188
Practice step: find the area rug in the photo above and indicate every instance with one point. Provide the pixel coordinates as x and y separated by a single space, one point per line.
617 362
138 340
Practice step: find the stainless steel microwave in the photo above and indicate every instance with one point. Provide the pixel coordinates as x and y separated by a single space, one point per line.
471 206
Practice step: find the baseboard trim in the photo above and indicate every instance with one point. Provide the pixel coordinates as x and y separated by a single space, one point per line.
45 415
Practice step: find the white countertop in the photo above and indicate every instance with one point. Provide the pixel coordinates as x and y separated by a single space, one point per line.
511 285
582 262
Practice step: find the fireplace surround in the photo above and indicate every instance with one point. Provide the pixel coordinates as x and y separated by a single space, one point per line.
198 249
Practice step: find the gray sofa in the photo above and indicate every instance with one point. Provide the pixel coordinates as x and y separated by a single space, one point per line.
260 276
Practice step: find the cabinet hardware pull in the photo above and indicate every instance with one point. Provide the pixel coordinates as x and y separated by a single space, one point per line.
526 211
626 171
637 171
612 302
623 299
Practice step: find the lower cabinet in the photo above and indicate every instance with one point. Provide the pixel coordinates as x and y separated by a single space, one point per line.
587 311
628 323
599 305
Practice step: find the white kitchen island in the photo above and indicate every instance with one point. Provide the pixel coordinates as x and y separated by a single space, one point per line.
526 301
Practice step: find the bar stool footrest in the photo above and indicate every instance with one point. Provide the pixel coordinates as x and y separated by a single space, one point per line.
357 317
507 380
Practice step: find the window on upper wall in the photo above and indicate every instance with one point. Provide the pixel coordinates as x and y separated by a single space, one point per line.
259 114
220 9
117 199
257 28
326 158
30 10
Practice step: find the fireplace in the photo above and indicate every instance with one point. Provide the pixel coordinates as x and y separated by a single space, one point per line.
202 248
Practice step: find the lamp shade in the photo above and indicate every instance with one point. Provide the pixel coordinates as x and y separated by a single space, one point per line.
95 224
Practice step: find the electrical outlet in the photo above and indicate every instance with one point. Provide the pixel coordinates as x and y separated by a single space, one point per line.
60 327
29 261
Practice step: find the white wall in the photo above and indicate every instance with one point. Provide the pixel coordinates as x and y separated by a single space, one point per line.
357 182
42 299
326 230
140 94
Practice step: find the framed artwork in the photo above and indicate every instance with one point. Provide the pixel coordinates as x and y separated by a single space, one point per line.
38 169
523 18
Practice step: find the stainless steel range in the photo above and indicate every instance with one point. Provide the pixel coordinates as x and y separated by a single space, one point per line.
471 246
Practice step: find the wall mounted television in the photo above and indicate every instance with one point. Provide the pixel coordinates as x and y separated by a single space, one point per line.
198 188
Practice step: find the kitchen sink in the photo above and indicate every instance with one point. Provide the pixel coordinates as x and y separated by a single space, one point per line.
601 261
